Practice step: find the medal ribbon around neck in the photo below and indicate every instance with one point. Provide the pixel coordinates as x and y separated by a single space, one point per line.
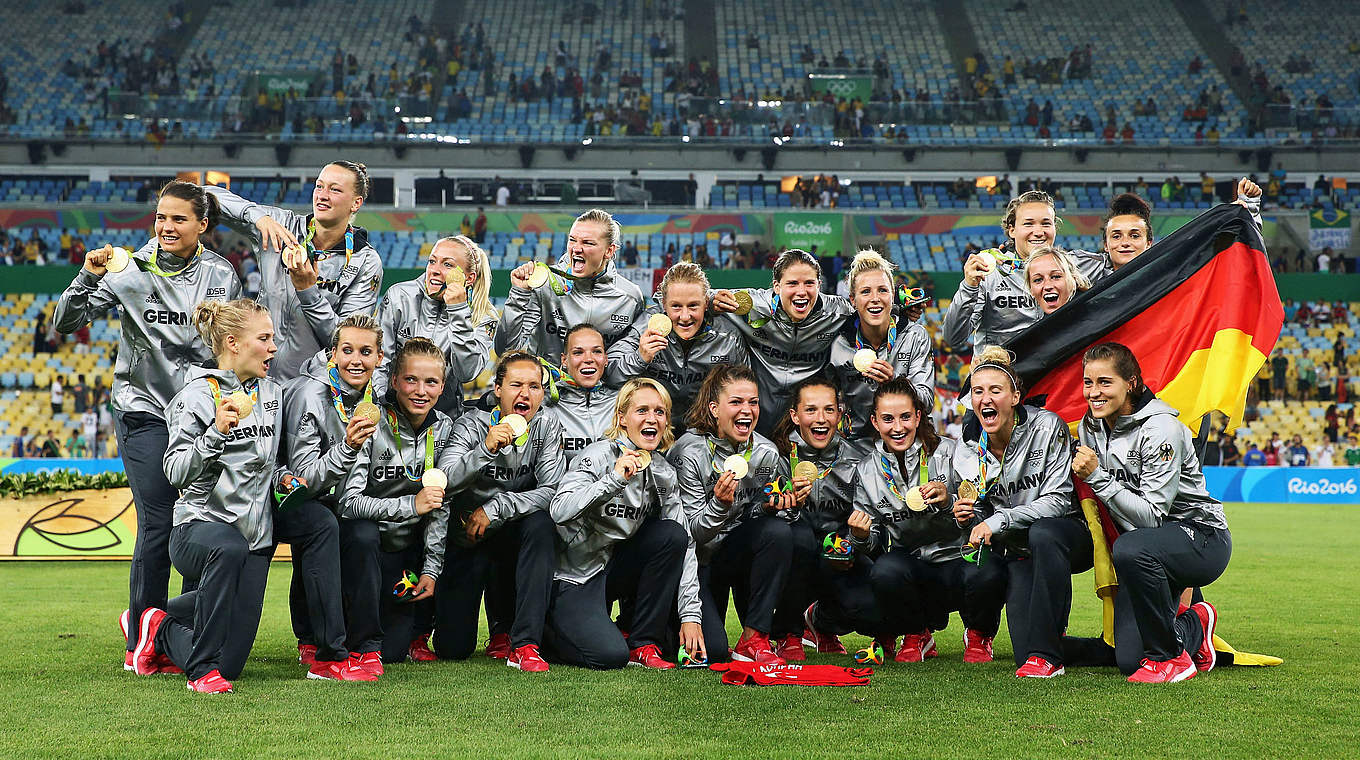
337 398
885 469
311 232
892 338
794 460
151 266
983 485
429 448
713 453
496 419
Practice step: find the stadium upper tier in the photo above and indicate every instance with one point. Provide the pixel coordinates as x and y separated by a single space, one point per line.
131 71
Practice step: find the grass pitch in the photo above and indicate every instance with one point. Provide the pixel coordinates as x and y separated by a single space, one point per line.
1288 591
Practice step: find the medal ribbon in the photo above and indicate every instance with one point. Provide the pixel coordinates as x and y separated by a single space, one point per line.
496 419
793 463
333 373
151 266
429 448
713 453
311 232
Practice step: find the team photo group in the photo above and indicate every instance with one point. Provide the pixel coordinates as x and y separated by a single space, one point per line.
641 461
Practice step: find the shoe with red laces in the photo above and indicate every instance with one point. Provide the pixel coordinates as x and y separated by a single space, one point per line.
498 646
145 656
306 654
1181 668
1204 656
917 647
791 648
212 683
346 670
370 661
756 648
527 659
123 624
420 649
826 643
976 647
649 657
1038 667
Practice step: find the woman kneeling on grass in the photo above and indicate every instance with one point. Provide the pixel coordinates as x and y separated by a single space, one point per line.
222 453
623 535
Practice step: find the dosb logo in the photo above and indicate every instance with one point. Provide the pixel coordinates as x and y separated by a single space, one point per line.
1323 487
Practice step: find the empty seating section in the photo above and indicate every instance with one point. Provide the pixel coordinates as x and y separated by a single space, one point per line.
1138 55
1320 30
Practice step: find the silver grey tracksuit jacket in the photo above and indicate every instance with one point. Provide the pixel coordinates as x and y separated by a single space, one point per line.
584 415
158 342
225 478
515 481
1036 481
709 520
537 320
378 488
1149 472
932 535
406 311
912 356
679 367
783 352
594 509
304 321
313 442
832 495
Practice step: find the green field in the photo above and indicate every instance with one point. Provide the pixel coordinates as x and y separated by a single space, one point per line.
1289 591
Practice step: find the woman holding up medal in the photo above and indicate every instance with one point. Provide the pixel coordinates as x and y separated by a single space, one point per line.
507 464
822 467
392 510
676 342
317 269
879 344
545 302
328 415
728 476
902 519
1013 460
624 535
155 290
222 457
450 305
788 328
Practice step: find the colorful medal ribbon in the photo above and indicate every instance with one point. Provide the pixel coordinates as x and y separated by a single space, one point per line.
252 388
885 469
311 232
333 373
794 460
892 338
151 266
713 453
429 448
496 419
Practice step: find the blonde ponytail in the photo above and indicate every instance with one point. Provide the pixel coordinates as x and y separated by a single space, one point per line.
479 300
216 320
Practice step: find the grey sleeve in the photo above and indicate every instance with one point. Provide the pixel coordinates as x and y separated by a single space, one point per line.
360 297
389 316
584 487
520 318
471 348
436 532
466 454
687 603
322 471
194 444
86 299
964 315
1055 498
1159 479
864 502
242 214
916 359
548 470
625 362
705 516
355 505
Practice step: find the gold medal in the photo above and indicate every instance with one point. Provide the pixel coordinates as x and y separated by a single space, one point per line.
244 406
993 263
968 491
660 324
644 458
367 410
539 276
806 470
916 501
518 425
737 465
864 358
457 277
434 479
118 260
744 302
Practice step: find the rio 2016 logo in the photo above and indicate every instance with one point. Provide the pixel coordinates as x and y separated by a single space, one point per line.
1322 487
807 228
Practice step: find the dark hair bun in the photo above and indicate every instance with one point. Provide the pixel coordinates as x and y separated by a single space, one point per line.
1130 204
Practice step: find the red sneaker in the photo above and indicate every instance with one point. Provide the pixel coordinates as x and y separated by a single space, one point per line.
370 661
756 648
498 646
791 648
976 647
1038 667
306 654
1204 656
123 626
917 647
349 670
826 643
128 663
144 657
164 666
527 659
420 649
889 647
212 683
1181 668
649 657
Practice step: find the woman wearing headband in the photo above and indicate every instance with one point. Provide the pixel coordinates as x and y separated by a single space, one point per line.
623 534
680 349
584 287
154 290
450 305
1013 459
879 344
317 269
788 328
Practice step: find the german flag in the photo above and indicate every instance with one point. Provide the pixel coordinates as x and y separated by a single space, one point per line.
1199 309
